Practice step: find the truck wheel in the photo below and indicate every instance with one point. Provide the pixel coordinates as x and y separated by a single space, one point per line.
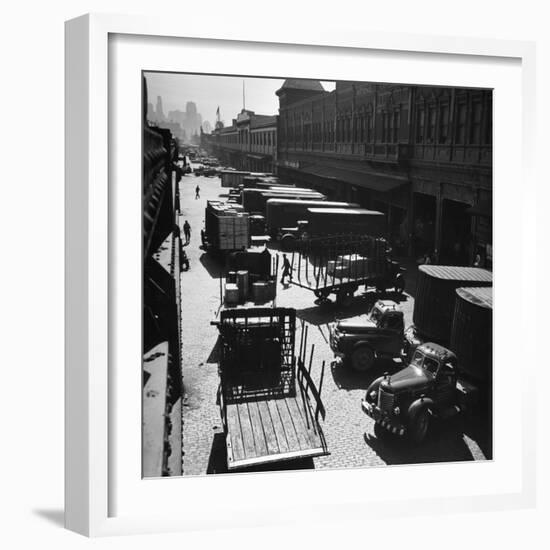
399 284
419 425
362 358
321 295
287 242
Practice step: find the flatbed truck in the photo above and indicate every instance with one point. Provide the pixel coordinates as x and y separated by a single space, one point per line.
269 405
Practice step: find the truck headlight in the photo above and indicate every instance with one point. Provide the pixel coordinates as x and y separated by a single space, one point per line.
373 395
397 411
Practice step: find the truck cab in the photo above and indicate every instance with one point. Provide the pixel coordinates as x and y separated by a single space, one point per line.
360 342
406 402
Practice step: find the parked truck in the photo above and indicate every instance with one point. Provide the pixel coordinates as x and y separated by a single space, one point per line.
430 388
254 200
340 264
439 382
286 213
434 303
360 342
226 227
269 404
319 222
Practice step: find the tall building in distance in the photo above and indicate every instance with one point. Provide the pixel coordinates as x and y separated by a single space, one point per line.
160 112
193 119
183 124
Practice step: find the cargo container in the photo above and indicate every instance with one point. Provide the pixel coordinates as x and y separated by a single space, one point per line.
226 226
472 332
286 213
254 200
434 303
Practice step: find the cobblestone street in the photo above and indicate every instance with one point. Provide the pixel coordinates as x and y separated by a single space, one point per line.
348 431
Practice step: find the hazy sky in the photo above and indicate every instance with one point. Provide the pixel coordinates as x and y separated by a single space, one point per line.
209 92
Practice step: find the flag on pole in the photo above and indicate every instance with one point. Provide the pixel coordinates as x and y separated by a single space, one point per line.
218 112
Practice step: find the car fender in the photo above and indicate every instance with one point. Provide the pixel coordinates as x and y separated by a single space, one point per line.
361 343
418 405
374 386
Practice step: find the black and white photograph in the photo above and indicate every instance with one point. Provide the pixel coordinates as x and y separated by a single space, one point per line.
317 274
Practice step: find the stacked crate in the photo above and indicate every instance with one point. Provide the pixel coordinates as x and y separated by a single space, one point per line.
360 266
227 226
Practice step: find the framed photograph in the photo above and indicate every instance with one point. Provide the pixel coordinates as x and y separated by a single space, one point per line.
289 276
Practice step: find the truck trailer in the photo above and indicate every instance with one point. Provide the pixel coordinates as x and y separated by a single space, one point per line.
269 405
434 304
326 222
341 264
286 213
254 200
226 227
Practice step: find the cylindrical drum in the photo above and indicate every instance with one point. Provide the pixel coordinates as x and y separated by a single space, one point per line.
231 294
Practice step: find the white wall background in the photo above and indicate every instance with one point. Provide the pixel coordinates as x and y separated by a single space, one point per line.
31 353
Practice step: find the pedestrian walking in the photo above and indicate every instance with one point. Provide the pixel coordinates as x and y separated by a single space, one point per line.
287 270
197 192
187 231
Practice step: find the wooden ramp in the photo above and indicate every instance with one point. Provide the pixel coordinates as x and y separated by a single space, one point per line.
263 431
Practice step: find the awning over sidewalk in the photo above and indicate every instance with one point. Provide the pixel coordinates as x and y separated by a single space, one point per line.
375 181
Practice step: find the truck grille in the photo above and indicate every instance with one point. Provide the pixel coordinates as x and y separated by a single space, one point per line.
385 401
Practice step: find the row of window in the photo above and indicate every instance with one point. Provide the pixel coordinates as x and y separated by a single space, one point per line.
432 125
263 138
257 138
471 126
360 129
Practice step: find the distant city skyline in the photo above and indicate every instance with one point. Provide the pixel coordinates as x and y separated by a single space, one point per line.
209 92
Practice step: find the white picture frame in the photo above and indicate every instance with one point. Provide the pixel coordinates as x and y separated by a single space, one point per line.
100 51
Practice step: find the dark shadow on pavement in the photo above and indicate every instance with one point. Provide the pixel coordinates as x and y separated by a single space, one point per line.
217 461
327 312
212 265
444 443
346 378
56 517
214 356
478 427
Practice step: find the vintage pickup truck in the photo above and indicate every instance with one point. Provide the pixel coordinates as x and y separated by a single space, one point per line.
428 388
360 342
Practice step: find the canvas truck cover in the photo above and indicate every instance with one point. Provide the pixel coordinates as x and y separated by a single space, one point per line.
287 212
359 221
472 330
435 297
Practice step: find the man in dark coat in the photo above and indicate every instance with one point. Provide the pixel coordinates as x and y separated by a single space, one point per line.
187 231
287 268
